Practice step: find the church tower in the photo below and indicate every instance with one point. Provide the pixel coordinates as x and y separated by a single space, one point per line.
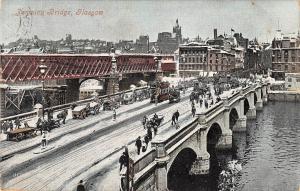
177 32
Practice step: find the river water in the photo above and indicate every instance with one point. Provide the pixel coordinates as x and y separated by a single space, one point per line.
269 152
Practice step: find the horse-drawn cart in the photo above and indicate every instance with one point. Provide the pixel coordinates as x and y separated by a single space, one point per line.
94 108
20 134
80 112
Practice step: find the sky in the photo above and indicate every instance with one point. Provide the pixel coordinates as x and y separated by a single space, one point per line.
126 20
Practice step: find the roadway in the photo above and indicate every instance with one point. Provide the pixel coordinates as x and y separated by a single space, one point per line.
79 146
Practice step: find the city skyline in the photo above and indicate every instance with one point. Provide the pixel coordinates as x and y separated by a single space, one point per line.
134 18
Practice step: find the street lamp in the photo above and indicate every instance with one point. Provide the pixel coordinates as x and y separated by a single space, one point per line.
43 69
156 80
183 60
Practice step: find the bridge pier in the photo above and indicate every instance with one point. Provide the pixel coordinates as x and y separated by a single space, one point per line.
251 114
162 160
112 86
72 93
259 103
201 165
162 174
225 141
240 124
265 95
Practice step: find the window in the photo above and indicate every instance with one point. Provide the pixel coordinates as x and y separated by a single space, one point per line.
298 80
193 60
293 68
210 67
190 60
210 55
197 59
286 67
289 79
279 66
222 67
210 61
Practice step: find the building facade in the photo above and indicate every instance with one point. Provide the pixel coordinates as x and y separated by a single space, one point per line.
220 60
286 54
192 59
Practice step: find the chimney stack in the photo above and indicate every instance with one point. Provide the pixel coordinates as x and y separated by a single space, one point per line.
215 33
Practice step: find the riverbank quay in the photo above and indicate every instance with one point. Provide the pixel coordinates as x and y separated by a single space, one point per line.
284 96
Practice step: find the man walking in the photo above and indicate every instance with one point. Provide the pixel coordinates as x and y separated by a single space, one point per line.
177 115
138 144
44 140
173 119
122 160
193 111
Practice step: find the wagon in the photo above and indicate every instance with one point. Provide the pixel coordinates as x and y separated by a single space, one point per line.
79 112
109 105
20 134
94 108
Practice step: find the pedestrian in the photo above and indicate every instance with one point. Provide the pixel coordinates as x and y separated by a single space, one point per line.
138 144
17 123
206 104
173 119
122 160
193 111
146 140
155 116
144 122
177 115
44 140
11 126
155 129
80 186
114 114
149 133
65 113
201 102
212 101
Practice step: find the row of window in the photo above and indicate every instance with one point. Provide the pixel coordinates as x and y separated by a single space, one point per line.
193 52
290 79
286 67
293 59
200 67
193 60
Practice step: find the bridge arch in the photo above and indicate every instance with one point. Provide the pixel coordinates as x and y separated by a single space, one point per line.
246 106
180 168
213 135
233 117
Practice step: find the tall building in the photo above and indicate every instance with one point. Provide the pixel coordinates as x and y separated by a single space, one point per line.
192 59
168 42
286 53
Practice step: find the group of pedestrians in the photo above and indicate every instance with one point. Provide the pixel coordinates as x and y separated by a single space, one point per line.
10 125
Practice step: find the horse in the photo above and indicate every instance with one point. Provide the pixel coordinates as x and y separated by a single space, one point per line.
62 116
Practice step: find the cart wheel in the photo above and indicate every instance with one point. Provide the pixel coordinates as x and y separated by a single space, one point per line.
19 137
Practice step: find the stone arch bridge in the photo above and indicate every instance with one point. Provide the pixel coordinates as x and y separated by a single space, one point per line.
213 127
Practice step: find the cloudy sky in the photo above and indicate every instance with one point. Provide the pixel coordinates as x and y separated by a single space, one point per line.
124 19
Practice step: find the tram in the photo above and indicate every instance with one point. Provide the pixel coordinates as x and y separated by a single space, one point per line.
159 90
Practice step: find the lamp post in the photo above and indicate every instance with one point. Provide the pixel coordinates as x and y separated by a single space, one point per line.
156 80
43 69
183 60
113 73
